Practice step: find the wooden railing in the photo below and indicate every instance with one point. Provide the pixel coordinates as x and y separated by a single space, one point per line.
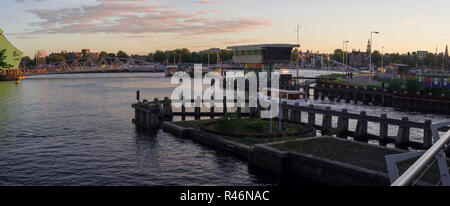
146 112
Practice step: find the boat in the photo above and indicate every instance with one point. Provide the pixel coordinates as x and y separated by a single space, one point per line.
291 97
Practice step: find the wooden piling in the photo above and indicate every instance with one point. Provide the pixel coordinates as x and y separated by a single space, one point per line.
402 139
327 122
383 130
427 135
311 117
342 125
361 128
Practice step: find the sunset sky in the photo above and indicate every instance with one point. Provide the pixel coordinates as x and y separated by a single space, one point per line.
142 26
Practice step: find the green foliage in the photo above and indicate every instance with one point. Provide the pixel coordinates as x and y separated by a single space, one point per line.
229 123
53 58
413 85
3 64
337 55
122 54
395 85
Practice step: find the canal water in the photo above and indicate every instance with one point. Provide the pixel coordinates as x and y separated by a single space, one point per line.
76 129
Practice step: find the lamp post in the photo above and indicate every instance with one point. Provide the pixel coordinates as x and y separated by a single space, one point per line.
344 51
382 63
370 52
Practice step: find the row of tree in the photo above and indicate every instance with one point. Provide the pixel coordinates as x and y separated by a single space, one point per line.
411 59
185 55
178 55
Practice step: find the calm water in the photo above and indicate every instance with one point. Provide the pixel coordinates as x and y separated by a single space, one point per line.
76 130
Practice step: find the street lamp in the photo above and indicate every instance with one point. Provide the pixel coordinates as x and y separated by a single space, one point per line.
344 43
370 52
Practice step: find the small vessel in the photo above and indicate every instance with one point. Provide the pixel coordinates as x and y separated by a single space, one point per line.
291 97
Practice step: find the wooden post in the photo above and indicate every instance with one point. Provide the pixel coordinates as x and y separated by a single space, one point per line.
347 96
355 97
427 135
295 115
238 111
136 114
326 122
183 110
383 130
167 108
361 128
211 112
197 108
285 112
312 117
158 109
402 139
225 110
316 92
342 124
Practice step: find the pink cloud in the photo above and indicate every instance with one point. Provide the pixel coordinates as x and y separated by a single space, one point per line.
136 17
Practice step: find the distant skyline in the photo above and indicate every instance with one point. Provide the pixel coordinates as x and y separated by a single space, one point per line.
142 26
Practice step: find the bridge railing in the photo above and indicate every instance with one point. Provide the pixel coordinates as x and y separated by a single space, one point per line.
424 163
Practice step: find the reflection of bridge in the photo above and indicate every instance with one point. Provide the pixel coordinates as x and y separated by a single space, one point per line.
104 64
318 62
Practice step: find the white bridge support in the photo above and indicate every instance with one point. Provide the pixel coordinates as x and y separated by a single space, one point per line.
319 62
104 64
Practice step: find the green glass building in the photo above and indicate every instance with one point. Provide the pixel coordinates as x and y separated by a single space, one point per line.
13 57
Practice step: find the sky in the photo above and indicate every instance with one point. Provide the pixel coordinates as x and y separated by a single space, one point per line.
142 26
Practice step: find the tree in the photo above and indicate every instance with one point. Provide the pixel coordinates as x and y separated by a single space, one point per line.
122 54
337 55
103 54
26 60
376 57
3 64
55 58
159 56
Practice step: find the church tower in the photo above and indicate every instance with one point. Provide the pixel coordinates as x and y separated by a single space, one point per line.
369 47
446 51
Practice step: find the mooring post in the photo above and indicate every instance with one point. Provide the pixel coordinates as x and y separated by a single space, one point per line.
326 122
347 95
211 112
158 108
225 110
198 108
383 130
427 135
361 128
316 92
136 114
312 117
285 112
167 108
342 125
183 110
295 114
238 108
402 139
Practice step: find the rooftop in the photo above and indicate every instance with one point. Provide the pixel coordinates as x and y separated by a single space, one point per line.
261 46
